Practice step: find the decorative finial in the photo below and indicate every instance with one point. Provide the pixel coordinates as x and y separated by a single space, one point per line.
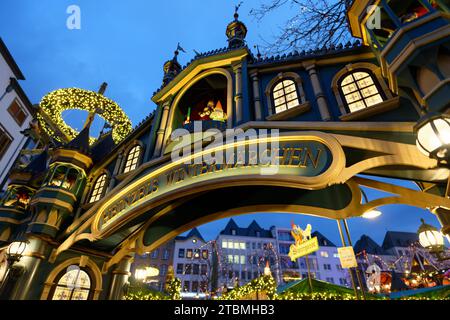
259 53
179 48
102 88
236 9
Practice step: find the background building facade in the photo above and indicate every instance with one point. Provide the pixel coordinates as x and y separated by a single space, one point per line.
16 113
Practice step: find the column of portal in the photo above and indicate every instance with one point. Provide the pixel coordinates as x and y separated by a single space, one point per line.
162 129
238 95
120 278
256 96
320 96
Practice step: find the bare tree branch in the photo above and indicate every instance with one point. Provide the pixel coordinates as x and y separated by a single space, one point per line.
313 24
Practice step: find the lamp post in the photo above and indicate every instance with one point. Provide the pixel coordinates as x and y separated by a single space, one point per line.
433 136
14 253
431 239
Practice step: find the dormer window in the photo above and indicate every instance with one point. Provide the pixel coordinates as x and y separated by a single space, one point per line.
258 234
132 160
233 232
359 90
99 188
284 95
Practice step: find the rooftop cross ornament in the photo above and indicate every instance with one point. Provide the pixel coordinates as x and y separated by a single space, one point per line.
236 8
91 115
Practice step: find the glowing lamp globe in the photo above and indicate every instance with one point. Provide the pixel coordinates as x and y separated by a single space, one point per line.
152 272
140 274
430 238
16 249
433 136
371 214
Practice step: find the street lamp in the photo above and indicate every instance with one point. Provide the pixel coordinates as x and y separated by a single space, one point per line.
430 238
15 251
142 273
433 136
371 214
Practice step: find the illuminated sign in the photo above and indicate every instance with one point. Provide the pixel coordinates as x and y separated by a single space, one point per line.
308 157
304 244
347 257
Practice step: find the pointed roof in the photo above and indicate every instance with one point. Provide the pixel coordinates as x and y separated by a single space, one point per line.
251 231
399 239
369 245
38 163
323 241
193 233
102 148
80 142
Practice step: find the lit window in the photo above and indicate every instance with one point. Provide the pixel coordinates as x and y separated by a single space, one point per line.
5 141
236 245
132 159
360 91
230 244
224 244
285 95
16 111
236 259
242 245
99 187
324 254
242 258
73 285
189 253
230 258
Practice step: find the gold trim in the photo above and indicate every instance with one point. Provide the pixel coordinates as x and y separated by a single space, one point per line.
326 178
195 68
59 190
386 105
50 281
289 113
186 87
73 154
57 202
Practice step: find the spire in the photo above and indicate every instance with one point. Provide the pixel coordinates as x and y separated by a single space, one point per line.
81 141
39 163
172 67
236 31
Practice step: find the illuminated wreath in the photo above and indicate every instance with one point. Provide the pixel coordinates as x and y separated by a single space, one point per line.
54 103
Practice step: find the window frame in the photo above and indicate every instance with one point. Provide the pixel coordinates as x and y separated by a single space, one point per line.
128 152
14 115
63 272
104 190
4 147
359 90
281 81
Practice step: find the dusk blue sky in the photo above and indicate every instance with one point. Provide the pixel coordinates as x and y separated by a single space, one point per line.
125 44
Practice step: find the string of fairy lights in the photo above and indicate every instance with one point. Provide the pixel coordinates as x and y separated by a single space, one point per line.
55 103
409 254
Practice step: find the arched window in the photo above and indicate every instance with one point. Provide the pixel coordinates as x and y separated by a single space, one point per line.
99 188
132 159
285 95
359 90
73 284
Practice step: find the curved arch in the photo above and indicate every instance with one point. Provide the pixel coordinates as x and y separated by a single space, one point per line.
374 69
284 75
79 261
127 151
174 104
